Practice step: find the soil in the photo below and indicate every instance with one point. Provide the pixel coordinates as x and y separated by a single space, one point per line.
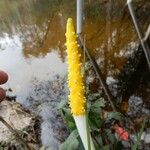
19 128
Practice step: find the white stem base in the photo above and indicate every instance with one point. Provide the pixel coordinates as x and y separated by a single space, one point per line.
81 126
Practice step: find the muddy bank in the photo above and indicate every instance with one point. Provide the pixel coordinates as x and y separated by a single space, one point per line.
48 130
19 127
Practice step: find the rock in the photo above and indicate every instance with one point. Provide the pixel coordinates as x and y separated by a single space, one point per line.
135 106
147 138
112 85
110 80
24 123
143 136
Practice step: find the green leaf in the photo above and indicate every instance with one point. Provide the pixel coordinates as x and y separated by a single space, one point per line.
71 143
43 148
99 139
96 94
114 115
93 96
99 103
95 121
66 114
88 105
62 104
135 146
49 149
96 106
106 147
110 136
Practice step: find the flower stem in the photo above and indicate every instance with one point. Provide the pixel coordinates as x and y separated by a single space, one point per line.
87 124
88 132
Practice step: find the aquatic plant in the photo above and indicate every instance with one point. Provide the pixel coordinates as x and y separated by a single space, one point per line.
76 86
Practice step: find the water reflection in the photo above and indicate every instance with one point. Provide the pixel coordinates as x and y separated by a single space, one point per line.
21 70
41 27
39 32
32 37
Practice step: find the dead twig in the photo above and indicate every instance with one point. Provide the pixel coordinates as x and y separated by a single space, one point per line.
17 136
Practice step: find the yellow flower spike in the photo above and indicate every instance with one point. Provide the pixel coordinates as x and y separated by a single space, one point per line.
76 85
75 79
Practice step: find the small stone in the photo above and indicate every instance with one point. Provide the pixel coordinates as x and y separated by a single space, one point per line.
147 139
143 136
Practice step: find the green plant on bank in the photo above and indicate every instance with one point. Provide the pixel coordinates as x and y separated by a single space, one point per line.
138 137
100 125
103 136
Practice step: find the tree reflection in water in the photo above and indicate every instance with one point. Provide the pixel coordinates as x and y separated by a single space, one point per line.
41 26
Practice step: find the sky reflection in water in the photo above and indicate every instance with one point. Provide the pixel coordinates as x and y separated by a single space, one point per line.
33 36
22 71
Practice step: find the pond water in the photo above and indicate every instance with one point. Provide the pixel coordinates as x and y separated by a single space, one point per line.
32 37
